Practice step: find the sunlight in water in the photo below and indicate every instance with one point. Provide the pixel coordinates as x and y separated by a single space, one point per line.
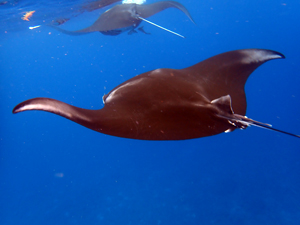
134 1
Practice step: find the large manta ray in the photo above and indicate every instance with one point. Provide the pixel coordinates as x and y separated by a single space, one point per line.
169 104
125 17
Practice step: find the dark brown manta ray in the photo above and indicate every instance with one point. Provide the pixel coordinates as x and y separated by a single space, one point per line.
205 99
125 17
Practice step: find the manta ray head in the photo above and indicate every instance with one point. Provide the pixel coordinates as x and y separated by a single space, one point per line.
134 14
128 11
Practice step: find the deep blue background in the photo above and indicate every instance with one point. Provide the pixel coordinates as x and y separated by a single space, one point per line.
244 177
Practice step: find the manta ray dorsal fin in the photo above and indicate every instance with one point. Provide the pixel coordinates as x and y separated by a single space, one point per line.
224 104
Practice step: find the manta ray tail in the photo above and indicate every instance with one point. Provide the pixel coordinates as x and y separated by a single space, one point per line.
245 121
161 27
238 121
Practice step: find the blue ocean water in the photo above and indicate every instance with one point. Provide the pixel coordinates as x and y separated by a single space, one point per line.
54 171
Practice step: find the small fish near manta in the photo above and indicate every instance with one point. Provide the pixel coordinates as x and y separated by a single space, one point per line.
205 99
126 17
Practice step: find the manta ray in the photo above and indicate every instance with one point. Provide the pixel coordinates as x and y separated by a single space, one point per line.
202 100
126 17
91 6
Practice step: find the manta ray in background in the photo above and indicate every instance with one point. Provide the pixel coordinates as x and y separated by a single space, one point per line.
205 99
98 4
126 17
91 6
